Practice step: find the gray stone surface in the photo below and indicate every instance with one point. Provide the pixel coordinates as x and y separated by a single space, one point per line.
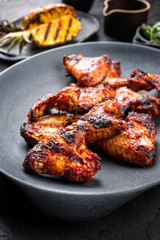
137 220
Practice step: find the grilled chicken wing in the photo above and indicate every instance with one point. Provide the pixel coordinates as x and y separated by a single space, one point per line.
138 81
65 153
137 102
147 79
89 71
72 99
135 145
45 126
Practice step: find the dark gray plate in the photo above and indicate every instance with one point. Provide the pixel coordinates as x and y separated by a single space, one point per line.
90 26
117 182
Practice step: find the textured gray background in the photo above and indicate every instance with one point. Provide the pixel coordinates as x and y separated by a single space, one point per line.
139 219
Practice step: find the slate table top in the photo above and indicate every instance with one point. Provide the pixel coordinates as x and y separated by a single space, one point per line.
138 219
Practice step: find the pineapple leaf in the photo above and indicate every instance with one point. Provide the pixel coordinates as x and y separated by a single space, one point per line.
22 43
13 43
7 27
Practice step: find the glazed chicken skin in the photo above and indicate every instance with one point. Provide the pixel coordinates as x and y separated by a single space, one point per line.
72 99
66 154
72 161
149 80
89 71
136 145
114 70
137 102
45 126
138 81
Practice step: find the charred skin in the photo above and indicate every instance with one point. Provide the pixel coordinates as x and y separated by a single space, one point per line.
133 83
45 126
137 102
71 161
152 80
46 14
89 71
114 70
136 145
72 99
138 80
117 82
65 153
102 121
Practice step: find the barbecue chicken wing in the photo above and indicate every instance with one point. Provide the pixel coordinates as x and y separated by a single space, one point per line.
89 71
135 145
72 99
138 81
137 102
65 153
149 80
45 126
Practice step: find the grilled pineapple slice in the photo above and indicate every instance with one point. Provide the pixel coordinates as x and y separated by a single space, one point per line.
56 32
46 14
49 34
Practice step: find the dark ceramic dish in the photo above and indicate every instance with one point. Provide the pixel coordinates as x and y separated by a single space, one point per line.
90 26
140 39
82 5
122 17
117 182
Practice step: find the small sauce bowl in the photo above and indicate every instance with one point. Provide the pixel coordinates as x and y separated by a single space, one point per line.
122 17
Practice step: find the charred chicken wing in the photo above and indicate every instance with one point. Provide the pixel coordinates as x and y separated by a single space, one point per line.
89 71
149 80
137 102
138 81
135 145
72 99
